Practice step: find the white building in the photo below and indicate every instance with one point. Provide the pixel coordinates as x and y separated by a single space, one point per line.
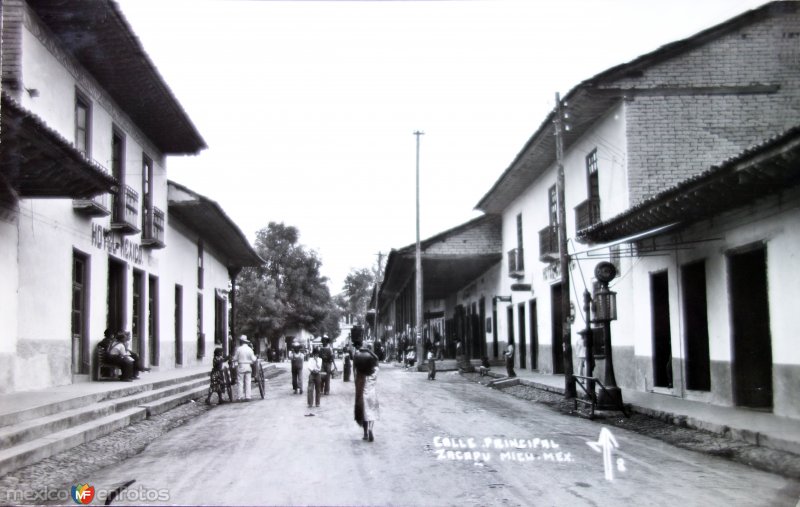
86 241
646 130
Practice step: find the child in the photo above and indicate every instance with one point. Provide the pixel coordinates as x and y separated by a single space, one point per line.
485 366
217 379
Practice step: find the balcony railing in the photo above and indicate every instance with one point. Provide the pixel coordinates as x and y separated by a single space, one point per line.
126 211
97 206
548 243
153 233
516 263
587 213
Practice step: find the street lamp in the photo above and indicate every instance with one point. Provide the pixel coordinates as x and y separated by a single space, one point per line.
605 310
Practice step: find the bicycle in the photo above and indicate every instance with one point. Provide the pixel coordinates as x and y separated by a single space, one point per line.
259 378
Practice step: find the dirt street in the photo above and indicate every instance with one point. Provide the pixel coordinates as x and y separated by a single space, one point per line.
442 442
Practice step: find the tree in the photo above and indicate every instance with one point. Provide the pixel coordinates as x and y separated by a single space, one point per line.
358 291
286 292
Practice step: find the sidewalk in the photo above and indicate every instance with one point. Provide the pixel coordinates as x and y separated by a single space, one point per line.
755 427
49 400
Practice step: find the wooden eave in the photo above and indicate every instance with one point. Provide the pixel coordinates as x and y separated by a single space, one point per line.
442 274
758 172
97 35
207 219
35 161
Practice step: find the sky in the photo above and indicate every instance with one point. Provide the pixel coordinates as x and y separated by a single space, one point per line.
309 108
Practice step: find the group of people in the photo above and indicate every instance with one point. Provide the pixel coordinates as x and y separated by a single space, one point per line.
244 358
321 367
116 348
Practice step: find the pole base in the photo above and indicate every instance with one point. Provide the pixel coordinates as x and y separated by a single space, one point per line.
609 398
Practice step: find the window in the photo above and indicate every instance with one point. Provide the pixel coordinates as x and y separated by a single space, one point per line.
592 175
199 264
552 200
519 231
82 123
147 192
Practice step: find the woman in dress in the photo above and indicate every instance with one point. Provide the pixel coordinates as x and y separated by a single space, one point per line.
217 382
367 408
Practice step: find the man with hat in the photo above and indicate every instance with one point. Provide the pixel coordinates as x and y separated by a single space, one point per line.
326 354
244 357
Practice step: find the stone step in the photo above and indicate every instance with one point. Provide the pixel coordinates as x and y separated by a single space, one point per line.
31 429
36 450
32 440
65 403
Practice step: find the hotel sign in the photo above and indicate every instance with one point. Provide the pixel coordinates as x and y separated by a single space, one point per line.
116 244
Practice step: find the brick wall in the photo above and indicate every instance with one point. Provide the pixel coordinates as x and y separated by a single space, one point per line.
672 137
484 237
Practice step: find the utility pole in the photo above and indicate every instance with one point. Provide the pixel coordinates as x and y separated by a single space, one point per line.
566 325
377 290
418 270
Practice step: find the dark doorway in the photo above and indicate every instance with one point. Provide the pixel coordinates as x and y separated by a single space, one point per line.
495 338
178 325
220 324
558 328
137 315
695 312
482 326
510 322
153 321
80 313
523 350
534 325
661 331
752 341
476 331
115 302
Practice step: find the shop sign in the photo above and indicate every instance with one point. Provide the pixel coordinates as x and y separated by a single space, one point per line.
116 244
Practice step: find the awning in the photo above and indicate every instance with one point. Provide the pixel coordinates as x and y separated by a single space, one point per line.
450 259
36 161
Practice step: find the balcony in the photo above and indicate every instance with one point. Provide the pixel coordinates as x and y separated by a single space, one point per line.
96 206
153 233
587 213
516 263
125 211
548 243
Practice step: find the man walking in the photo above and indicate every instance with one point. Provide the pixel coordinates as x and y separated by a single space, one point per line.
296 358
244 357
326 355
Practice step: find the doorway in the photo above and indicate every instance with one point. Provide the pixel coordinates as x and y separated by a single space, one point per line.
510 323
137 313
661 331
80 314
558 328
153 320
752 340
523 352
178 325
115 302
695 311
534 326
